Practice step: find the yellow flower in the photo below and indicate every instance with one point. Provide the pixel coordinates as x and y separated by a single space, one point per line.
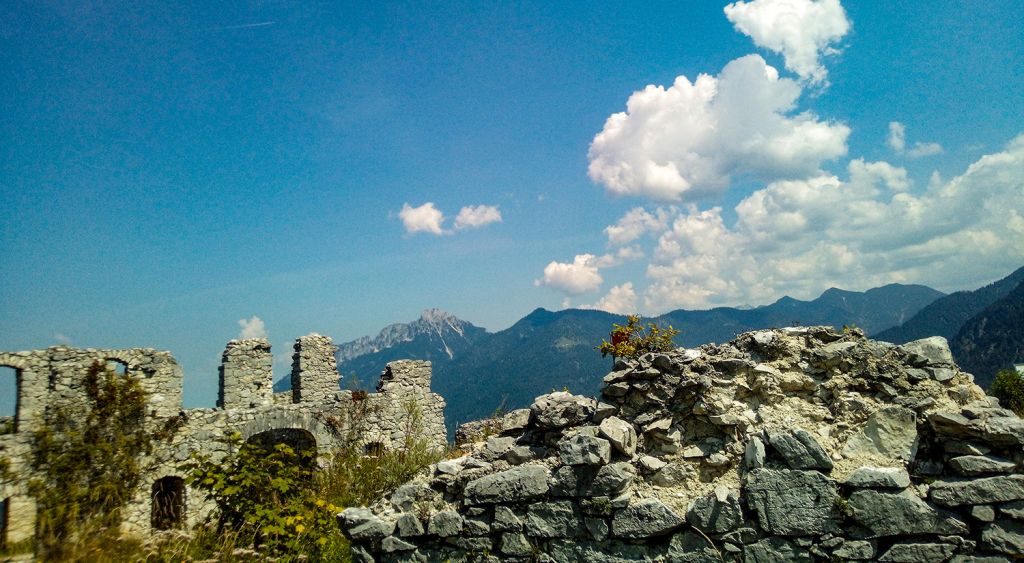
299 528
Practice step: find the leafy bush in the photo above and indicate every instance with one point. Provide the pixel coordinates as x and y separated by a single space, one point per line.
266 497
633 339
88 463
1008 387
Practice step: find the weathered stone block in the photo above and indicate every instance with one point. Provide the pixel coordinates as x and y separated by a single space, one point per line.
584 450
894 514
554 519
889 432
645 519
716 513
793 502
979 491
524 482
879 478
800 449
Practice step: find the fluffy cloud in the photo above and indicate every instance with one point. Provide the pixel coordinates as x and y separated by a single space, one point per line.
689 140
621 299
472 217
802 31
897 141
798 237
636 223
252 328
423 219
428 219
579 276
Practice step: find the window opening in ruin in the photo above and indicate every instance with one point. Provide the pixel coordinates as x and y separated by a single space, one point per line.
373 449
4 519
301 441
9 382
119 367
168 509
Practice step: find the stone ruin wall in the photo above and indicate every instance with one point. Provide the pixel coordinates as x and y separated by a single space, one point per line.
800 444
316 408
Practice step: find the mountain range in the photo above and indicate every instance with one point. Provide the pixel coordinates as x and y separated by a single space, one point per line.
479 372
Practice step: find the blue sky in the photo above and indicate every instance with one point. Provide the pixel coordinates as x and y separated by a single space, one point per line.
168 171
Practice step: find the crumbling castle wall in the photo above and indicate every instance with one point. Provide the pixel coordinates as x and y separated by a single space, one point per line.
317 411
798 444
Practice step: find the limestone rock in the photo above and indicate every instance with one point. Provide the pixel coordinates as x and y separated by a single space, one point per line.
716 513
505 520
800 449
879 478
918 552
793 502
980 465
774 550
645 519
520 483
392 544
978 491
896 514
857 550
408 525
584 450
561 409
554 519
890 432
516 545
1005 536
445 523
933 350
362 524
620 433
515 420
613 479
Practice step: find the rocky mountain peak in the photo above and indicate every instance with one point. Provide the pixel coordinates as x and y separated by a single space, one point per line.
433 324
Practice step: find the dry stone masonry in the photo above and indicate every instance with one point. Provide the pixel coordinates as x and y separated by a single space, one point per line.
798 444
316 413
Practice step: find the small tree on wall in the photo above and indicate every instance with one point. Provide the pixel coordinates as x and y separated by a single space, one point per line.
633 339
87 459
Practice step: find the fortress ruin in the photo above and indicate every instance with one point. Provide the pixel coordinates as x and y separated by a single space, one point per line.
315 412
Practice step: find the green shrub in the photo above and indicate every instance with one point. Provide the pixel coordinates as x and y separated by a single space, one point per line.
633 339
87 459
266 498
1008 387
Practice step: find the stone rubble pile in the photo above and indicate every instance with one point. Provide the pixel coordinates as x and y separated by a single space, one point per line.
798 444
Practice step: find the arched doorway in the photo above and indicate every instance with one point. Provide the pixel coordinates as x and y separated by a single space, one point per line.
168 503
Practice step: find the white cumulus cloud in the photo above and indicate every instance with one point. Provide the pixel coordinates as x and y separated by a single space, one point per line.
423 219
472 217
690 139
621 300
802 31
252 327
799 237
897 141
573 278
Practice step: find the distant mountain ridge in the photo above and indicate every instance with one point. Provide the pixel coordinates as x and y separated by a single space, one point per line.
478 372
993 339
944 317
